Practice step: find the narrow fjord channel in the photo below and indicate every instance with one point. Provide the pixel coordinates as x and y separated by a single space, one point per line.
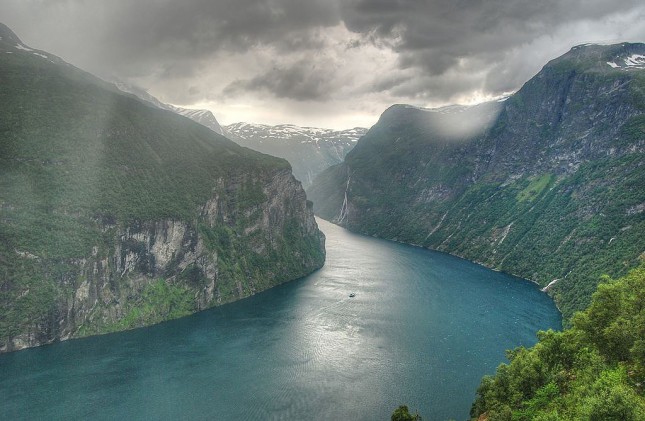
422 329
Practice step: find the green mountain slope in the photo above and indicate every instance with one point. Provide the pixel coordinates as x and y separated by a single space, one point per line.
547 185
115 214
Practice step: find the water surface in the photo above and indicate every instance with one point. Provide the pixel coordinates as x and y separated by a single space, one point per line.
423 328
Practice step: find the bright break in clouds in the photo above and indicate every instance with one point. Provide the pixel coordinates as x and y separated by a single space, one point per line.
330 63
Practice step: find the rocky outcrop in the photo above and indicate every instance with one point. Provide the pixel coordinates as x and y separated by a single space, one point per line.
104 287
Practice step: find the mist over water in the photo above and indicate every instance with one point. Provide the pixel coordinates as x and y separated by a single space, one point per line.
423 328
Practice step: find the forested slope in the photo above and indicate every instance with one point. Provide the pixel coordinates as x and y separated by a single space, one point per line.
547 185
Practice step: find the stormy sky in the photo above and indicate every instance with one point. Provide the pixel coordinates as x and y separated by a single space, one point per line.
326 63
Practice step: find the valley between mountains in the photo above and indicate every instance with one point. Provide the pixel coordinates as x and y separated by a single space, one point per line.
119 211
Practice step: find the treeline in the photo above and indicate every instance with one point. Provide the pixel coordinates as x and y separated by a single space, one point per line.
593 371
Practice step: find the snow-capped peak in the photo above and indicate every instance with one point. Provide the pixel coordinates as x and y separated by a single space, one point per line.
290 132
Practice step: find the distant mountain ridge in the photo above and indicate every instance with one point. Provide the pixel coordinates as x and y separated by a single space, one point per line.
309 150
548 185
203 117
309 134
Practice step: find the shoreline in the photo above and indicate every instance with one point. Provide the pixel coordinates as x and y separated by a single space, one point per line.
541 287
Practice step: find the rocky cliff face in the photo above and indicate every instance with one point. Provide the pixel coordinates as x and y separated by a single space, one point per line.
542 185
115 214
218 257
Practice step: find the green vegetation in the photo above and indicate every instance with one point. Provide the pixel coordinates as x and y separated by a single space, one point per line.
82 164
248 264
593 371
575 230
32 297
402 413
572 228
634 129
157 302
549 192
535 187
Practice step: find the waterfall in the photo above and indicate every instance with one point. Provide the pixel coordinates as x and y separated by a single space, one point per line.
342 215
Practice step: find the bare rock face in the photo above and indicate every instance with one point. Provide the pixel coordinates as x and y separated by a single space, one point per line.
273 240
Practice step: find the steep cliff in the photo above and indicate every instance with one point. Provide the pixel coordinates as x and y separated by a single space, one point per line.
546 184
115 214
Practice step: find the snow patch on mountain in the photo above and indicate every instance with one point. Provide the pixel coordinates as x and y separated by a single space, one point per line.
22 47
203 117
309 150
634 61
290 131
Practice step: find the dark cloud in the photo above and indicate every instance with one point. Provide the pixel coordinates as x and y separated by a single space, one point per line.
303 50
427 89
132 36
204 26
386 83
435 35
302 81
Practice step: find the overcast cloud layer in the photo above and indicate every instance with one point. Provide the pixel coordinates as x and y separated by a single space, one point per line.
329 63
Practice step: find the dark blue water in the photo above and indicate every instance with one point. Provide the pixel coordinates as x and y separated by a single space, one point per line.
423 329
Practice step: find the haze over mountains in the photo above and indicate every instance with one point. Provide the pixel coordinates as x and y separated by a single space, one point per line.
118 211
116 214
309 150
203 117
547 184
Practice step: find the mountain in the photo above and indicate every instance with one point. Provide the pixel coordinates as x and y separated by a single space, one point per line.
309 150
547 185
117 214
203 117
